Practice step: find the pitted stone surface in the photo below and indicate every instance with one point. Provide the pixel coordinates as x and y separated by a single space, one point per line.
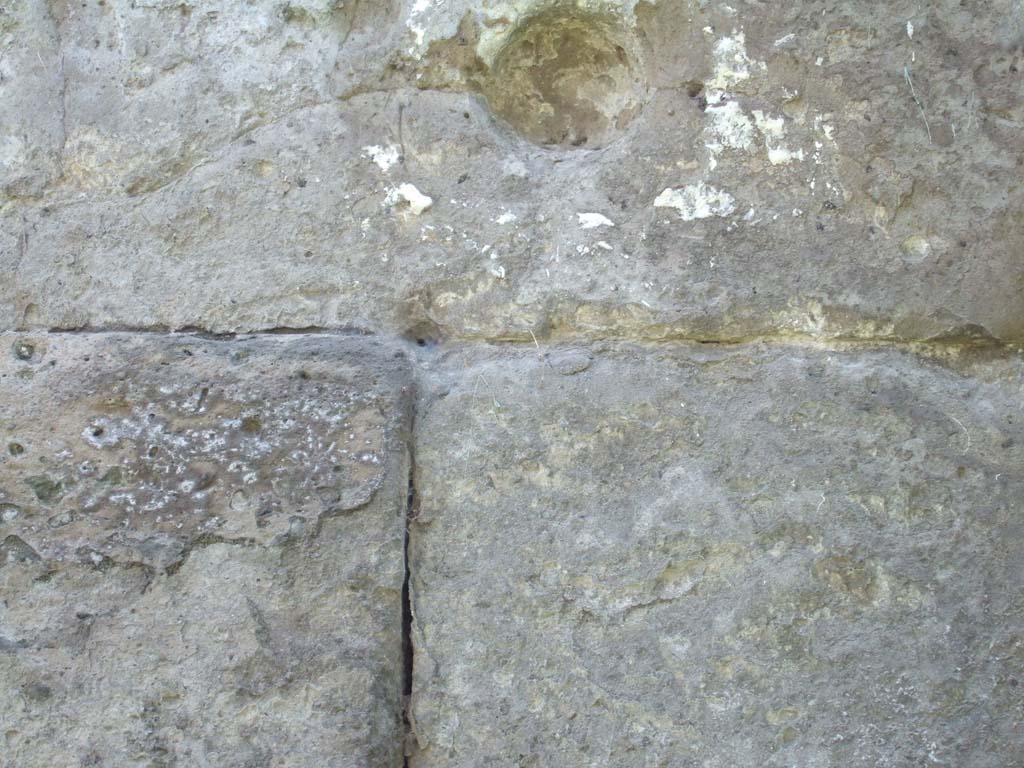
705 556
162 443
201 550
824 169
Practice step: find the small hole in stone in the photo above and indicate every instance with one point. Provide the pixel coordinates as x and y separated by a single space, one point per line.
567 77
23 350
251 425
97 431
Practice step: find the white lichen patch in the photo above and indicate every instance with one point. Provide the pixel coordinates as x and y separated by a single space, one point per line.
104 432
506 218
408 194
594 220
384 157
696 201
781 155
773 129
732 65
825 128
416 24
770 127
728 127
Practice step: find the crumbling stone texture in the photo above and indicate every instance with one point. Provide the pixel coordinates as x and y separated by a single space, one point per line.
202 551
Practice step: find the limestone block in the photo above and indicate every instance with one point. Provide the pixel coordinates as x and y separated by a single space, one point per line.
718 556
201 550
693 169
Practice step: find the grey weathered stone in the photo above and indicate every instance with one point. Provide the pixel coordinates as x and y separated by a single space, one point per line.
201 558
757 555
718 555
819 169
31 101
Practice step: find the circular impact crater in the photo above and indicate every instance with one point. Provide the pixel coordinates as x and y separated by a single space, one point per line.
567 77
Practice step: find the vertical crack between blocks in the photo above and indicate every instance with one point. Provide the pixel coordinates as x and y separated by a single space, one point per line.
407 647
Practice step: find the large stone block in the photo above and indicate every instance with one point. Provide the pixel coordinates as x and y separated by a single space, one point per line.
201 557
693 169
718 557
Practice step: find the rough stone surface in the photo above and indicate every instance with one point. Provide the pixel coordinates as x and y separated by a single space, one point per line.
820 168
715 311
201 550
757 555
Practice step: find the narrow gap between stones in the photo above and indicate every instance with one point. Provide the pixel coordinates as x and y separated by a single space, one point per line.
967 338
407 648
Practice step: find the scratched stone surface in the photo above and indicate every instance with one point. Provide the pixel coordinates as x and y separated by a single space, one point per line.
718 556
694 168
201 550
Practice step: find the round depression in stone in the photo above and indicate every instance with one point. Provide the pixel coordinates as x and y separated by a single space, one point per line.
567 78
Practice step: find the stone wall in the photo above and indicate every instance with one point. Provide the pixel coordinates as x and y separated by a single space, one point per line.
528 383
